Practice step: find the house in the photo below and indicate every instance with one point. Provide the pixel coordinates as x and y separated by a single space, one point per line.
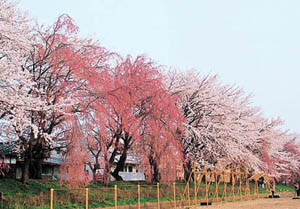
50 166
132 170
13 163
8 161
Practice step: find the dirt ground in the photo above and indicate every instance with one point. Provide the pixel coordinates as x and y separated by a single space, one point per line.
280 203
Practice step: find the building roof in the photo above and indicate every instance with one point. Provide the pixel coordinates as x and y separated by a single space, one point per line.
131 158
8 149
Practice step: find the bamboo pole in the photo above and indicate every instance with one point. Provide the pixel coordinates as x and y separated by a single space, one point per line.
206 187
248 189
199 180
246 182
195 185
188 193
86 198
116 198
217 186
51 198
225 186
240 186
232 186
186 188
158 204
256 188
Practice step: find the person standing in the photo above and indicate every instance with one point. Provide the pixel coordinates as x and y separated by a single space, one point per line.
297 189
272 186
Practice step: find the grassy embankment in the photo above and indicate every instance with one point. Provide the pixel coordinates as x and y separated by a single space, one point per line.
36 194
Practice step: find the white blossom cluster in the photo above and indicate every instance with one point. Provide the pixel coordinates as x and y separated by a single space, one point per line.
222 124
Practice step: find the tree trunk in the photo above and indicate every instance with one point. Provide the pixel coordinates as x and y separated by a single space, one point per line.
106 170
155 171
35 167
120 165
26 165
156 174
25 170
187 169
94 174
38 165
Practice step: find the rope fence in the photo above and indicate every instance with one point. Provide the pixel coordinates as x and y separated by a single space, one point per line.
202 188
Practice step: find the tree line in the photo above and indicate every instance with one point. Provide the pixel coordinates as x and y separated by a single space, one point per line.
62 92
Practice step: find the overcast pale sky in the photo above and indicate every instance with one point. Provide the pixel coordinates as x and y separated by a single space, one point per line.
254 44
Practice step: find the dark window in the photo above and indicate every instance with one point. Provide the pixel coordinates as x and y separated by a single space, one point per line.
130 168
46 170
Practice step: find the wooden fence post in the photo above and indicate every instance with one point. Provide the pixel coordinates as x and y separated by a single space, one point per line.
51 198
86 198
174 192
116 198
139 197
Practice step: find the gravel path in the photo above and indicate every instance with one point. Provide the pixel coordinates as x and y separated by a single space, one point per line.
280 203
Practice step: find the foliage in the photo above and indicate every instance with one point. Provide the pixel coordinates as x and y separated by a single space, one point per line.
135 108
223 129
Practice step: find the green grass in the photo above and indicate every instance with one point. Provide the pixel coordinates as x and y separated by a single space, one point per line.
281 187
36 194
33 187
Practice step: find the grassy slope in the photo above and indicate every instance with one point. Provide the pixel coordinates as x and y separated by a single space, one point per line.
12 186
17 192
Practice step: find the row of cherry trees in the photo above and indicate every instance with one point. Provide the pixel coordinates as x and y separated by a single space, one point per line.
62 92
66 93
221 126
